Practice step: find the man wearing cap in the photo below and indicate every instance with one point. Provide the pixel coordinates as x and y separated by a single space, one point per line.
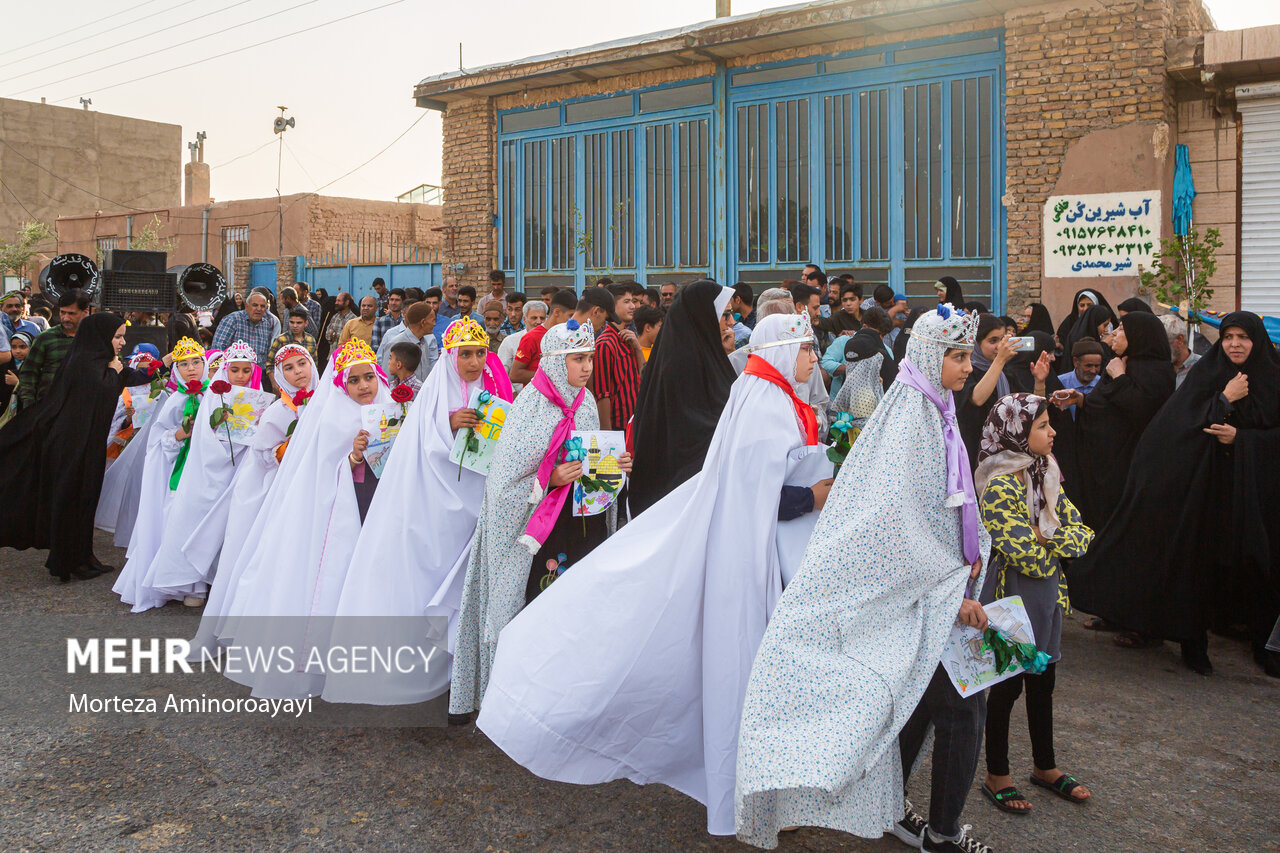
1086 355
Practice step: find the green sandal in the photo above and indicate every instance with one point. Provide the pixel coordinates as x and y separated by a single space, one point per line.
1063 787
999 799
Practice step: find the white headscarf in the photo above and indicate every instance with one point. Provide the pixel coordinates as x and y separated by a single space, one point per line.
634 663
184 563
299 576
500 563
154 501
858 633
403 570
250 487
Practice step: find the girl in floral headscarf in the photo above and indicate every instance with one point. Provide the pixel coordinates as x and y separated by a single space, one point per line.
1033 526
526 518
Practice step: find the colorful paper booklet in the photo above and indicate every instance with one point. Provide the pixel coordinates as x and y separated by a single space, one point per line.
968 658
483 439
246 405
383 425
604 449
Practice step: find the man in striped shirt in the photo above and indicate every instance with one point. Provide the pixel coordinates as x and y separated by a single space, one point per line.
616 374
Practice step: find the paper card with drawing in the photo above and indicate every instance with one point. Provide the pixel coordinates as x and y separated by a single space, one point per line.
383 425
237 419
482 439
600 467
969 659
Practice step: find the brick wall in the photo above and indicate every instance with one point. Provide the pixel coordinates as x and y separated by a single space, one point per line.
1069 72
468 166
1212 142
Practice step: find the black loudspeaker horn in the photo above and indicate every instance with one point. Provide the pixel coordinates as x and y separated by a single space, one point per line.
136 260
202 287
69 272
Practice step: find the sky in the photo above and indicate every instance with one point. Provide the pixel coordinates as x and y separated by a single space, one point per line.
344 68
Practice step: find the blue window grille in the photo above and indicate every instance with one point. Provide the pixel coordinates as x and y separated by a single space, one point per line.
888 163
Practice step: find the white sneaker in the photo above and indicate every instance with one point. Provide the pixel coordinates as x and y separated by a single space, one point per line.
193 601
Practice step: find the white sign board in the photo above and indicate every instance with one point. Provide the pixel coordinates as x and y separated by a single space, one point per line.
1101 234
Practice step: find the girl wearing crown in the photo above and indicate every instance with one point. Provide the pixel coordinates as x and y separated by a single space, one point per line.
295 376
854 644
584 690
284 590
167 448
527 519
176 572
403 572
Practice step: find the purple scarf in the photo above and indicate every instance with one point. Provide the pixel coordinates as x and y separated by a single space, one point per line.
959 477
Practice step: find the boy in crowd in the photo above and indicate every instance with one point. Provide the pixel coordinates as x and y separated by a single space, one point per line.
403 365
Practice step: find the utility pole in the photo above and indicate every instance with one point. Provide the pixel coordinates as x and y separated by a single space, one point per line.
280 125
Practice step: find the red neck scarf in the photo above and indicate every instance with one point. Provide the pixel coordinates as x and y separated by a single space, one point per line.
758 367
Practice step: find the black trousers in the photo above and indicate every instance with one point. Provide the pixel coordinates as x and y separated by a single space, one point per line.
1039 720
957 722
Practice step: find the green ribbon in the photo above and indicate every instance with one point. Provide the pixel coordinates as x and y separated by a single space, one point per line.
189 407
1009 654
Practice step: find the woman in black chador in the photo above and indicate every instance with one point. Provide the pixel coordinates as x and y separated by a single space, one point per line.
56 452
1111 418
682 393
1195 540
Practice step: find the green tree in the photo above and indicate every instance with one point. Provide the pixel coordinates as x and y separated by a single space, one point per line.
1182 271
16 256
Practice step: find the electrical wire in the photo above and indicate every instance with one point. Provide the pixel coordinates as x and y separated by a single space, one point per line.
379 154
18 200
211 168
236 50
167 48
289 148
61 33
109 47
64 46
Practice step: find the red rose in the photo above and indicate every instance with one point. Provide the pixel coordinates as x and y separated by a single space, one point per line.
402 393
220 387
194 386
302 396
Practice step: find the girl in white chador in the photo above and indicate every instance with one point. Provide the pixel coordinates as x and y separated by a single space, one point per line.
404 571
182 569
168 446
858 634
634 663
527 510
296 376
286 586
122 483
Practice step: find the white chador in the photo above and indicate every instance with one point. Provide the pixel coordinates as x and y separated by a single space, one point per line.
182 566
502 557
857 635
288 580
159 473
122 482
250 488
633 664
404 586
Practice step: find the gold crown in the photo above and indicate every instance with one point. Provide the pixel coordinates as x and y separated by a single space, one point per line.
465 332
353 352
185 349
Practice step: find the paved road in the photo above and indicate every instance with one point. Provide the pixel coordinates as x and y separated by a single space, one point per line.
1176 761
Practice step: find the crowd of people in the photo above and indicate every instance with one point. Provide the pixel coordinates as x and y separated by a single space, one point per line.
734 624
